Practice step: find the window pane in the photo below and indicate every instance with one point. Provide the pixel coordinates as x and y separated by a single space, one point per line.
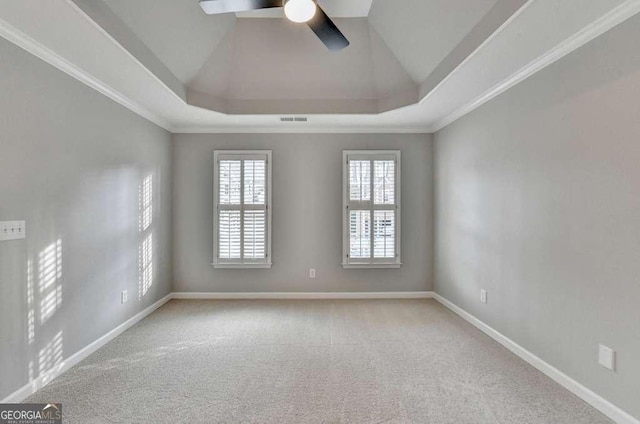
229 235
254 234
360 180
359 234
254 182
230 182
384 182
384 235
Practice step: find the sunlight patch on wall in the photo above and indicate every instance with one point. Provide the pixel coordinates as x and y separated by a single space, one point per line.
145 199
31 312
49 357
145 250
49 280
146 265
32 371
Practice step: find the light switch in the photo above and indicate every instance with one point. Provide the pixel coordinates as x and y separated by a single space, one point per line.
12 230
607 357
483 296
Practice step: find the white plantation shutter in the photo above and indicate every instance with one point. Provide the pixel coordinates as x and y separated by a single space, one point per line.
384 182
360 180
229 234
241 204
384 234
254 235
359 234
255 182
372 209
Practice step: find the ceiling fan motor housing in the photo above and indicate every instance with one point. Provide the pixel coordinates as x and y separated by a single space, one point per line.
300 11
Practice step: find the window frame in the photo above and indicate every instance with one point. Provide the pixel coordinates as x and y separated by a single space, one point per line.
371 155
241 263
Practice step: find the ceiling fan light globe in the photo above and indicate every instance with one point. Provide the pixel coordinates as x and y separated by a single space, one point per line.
300 11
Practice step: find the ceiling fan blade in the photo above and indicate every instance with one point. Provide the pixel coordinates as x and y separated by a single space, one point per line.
327 31
215 7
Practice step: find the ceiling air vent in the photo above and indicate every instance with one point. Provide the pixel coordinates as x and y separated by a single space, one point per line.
293 119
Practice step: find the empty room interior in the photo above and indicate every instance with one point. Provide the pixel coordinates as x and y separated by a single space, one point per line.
320 211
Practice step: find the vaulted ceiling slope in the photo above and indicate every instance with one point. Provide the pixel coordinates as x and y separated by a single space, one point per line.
413 65
422 33
265 65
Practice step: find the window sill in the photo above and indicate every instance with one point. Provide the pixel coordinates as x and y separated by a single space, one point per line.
372 266
242 266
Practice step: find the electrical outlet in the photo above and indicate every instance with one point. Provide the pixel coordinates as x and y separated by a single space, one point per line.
483 296
607 357
312 273
124 296
12 230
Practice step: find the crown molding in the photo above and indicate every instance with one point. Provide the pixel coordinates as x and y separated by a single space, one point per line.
598 27
27 43
426 91
301 130
156 69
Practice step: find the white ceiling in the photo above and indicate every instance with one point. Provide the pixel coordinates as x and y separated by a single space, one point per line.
543 31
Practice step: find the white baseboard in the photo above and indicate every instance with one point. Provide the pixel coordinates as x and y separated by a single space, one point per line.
30 388
306 295
607 408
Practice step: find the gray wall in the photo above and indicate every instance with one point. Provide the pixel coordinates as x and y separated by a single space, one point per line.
71 162
307 184
538 201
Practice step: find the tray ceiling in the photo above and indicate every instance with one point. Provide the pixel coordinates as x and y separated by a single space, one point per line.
249 64
170 63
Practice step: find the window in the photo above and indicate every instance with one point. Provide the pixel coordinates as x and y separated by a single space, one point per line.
242 198
371 217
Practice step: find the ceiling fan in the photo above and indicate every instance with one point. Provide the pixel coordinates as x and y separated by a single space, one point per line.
299 11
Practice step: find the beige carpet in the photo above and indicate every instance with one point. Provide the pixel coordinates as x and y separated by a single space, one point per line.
360 361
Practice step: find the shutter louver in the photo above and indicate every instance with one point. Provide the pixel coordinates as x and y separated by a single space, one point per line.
229 234
360 180
254 182
254 234
359 234
384 182
254 220
384 236
230 180
383 220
